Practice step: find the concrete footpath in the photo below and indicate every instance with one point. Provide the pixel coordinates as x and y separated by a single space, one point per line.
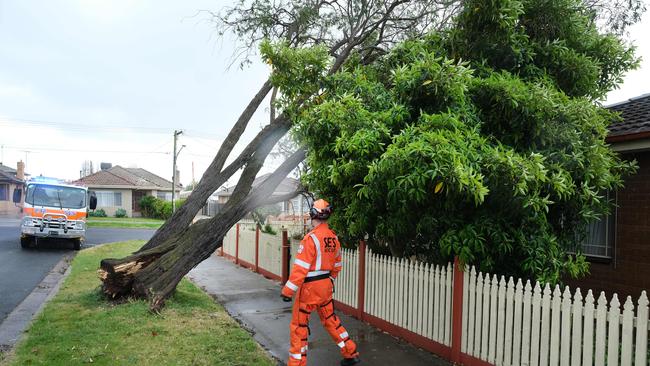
255 302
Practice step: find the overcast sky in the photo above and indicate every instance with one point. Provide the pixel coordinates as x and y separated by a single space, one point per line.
105 80
109 81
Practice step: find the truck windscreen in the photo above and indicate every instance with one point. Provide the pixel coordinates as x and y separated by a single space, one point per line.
55 196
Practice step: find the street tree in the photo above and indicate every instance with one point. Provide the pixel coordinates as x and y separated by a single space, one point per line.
303 41
485 141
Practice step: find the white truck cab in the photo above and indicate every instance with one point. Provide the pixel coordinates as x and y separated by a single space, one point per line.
54 209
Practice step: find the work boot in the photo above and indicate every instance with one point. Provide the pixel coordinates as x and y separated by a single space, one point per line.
350 361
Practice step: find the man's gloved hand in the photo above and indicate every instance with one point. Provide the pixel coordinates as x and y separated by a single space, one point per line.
285 298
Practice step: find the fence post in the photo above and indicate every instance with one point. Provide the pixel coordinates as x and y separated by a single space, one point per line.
257 248
237 244
361 293
285 256
457 313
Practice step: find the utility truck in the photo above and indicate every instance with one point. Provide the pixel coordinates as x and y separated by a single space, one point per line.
54 209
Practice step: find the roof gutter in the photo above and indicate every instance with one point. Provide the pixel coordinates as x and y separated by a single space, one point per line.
628 137
630 143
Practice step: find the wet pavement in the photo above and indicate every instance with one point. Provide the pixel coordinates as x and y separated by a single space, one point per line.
255 302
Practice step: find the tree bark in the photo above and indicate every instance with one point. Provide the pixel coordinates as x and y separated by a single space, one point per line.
155 269
154 273
213 177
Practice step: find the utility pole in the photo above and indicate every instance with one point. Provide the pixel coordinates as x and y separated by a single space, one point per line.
175 155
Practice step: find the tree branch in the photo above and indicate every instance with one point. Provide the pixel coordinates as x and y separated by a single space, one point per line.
266 188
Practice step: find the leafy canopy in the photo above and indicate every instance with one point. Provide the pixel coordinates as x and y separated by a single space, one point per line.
483 141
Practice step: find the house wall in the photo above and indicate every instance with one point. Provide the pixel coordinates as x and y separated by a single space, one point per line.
628 272
7 207
127 202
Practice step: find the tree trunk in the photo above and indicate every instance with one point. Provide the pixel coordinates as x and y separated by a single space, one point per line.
155 269
214 176
154 273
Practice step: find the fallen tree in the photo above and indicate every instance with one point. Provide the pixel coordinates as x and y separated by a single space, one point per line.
311 40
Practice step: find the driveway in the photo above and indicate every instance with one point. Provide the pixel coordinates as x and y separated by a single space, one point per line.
22 270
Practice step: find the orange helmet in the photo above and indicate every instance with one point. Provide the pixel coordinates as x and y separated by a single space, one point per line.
320 210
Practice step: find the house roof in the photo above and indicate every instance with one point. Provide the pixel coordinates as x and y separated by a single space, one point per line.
9 178
635 113
7 169
287 185
127 178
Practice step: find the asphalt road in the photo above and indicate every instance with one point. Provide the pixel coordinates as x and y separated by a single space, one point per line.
22 270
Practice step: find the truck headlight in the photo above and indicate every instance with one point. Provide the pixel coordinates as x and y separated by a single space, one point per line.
27 221
79 225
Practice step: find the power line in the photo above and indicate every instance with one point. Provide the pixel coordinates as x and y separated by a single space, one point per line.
89 126
212 148
35 148
94 127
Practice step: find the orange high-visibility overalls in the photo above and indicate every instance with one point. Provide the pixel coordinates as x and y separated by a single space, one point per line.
317 264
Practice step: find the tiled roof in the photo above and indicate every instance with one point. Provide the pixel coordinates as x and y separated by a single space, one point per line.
10 170
9 178
636 116
133 177
149 176
7 169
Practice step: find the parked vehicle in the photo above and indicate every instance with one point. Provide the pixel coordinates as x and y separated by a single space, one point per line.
53 209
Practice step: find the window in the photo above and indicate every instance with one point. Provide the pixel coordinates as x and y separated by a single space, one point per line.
167 196
4 192
55 196
599 241
108 199
600 238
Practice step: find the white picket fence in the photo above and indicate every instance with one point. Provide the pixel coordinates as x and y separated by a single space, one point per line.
503 322
514 324
269 247
413 296
346 288
509 323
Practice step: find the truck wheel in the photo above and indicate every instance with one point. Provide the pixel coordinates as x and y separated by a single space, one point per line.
76 244
26 242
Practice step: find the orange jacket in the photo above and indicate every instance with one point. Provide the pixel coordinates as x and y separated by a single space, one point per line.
319 253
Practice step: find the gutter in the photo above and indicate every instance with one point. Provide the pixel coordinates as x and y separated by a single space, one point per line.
628 137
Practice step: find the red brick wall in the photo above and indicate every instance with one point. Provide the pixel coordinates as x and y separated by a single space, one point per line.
628 273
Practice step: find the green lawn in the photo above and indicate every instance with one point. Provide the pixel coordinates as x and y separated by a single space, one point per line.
125 222
80 327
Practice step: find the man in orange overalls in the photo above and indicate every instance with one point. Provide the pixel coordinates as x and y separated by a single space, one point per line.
317 264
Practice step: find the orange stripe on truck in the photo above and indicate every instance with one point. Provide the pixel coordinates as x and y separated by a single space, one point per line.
76 215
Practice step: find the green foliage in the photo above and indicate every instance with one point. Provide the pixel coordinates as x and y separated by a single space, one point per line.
157 208
120 212
268 229
146 206
536 39
97 213
484 141
297 72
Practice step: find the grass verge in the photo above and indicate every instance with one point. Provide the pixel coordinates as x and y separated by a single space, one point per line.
80 327
125 222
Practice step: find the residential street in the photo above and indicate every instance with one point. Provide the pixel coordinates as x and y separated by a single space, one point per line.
22 270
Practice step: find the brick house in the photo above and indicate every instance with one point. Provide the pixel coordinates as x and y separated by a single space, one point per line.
618 246
117 187
11 179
